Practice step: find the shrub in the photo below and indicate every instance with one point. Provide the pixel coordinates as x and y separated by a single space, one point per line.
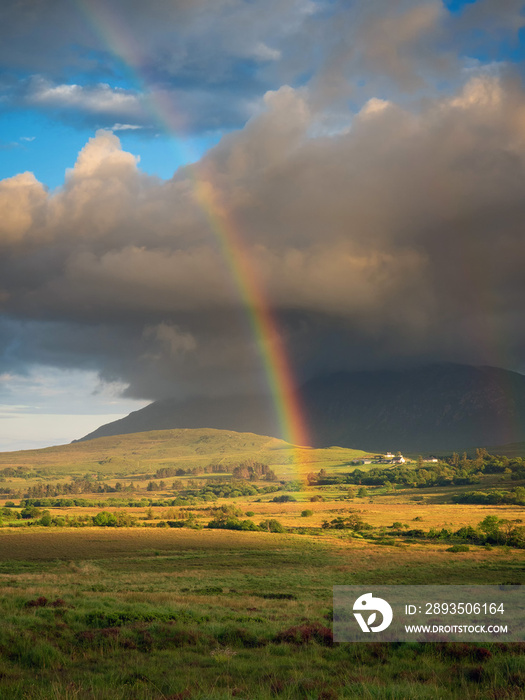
352 522
272 526
277 596
239 637
176 523
303 634
459 548
104 519
306 513
232 523
45 520
37 603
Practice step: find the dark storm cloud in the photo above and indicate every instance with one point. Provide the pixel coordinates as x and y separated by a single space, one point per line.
397 240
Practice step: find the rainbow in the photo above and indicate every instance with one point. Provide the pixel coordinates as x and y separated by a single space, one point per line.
264 327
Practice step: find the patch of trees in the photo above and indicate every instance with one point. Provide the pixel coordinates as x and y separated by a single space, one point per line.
8 514
166 472
84 484
439 474
249 469
351 522
153 486
229 489
8 492
227 518
18 473
211 490
450 471
514 497
254 471
102 519
285 498
491 530
85 503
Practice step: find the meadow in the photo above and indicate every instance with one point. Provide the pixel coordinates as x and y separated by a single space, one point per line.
176 608
216 614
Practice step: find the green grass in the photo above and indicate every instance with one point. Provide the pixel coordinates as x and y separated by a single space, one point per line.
156 615
141 453
172 614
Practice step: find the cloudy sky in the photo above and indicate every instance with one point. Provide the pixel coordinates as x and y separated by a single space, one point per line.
370 157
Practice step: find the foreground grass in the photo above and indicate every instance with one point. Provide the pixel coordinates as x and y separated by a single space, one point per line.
151 614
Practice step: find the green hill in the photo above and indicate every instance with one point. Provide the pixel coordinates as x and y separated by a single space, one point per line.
145 452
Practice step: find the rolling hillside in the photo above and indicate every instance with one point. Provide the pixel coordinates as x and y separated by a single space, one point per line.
146 452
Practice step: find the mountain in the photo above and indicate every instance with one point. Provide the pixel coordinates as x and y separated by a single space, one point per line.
430 409
244 414
436 408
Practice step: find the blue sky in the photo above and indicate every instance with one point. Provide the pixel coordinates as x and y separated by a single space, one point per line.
45 136
38 143
113 291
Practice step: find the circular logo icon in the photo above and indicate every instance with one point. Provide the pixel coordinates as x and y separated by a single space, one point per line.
367 603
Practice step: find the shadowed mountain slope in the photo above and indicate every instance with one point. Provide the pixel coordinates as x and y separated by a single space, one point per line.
437 408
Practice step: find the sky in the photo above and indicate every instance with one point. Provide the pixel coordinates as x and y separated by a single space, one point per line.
365 160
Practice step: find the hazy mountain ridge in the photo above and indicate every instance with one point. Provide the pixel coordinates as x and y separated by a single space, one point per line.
439 407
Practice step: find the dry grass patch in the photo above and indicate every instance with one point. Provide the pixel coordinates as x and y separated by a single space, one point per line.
97 543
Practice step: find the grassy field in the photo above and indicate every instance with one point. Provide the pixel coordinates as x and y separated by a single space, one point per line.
183 611
213 614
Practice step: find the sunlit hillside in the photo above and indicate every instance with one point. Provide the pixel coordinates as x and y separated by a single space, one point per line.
149 451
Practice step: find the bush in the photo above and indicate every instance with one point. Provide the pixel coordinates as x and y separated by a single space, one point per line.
176 523
306 513
272 526
104 519
285 498
277 596
352 522
306 633
232 523
45 520
459 548
239 637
